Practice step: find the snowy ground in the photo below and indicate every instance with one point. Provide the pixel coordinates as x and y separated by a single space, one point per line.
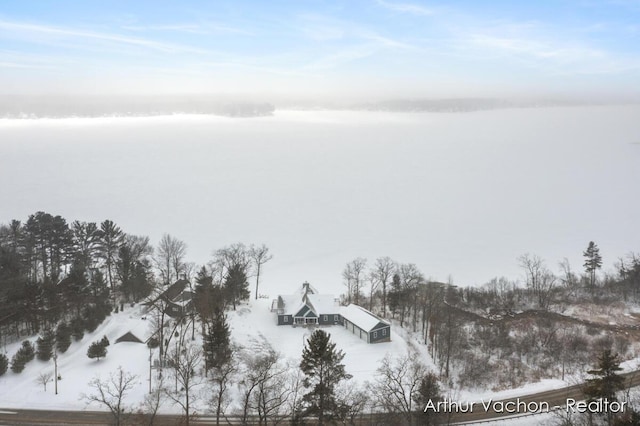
252 324
361 359
24 390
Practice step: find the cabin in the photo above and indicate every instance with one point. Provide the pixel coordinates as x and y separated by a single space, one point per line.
306 307
177 299
364 324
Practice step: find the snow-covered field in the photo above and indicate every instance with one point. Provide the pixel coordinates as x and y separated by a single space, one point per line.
76 369
251 324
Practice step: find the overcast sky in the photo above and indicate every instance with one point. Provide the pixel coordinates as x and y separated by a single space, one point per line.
342 48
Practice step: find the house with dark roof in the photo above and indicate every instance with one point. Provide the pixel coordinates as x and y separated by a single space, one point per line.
128 337
177 299
307 307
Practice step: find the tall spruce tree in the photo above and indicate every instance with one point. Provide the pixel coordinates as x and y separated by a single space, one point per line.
607 382
236 285
216 343
45 345
63 337
321 364
592 262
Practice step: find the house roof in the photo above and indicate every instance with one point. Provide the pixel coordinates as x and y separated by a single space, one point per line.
128 337
307 295
361 317
175 290
173 293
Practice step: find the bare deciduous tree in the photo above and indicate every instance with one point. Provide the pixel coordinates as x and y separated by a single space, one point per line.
170 258
185 361
353 401
259 255
383 271
151 404
111 392
44 378
227 257
373 286
221 378
540 281
353 275
264 384
397 382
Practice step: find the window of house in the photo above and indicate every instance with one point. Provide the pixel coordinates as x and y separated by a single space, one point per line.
326 318
384 331
286 319
375 334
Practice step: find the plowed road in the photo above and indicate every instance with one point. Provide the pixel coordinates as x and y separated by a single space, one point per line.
554 398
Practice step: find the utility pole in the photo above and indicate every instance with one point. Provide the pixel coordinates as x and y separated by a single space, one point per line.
55 370
150 353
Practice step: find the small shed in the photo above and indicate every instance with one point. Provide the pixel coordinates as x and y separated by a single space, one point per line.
366 325
128 337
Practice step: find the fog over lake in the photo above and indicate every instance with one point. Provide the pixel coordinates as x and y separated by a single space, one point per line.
460 194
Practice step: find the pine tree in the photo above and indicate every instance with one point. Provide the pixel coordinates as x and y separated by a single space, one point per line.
428 391
28 350
4 364
593 261
216 343
104 341
608 381
77 329
321 364
208 297
45 345
97 350
18 362
236 285
63 337
25 354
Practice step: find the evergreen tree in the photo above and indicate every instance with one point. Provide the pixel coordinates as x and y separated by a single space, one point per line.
97 350
104 341
208 298
593 261
236 285
216 343
321 364
77 329
45 345
4 364
18 361
25 354
63 337
608 381
110 237
429 390
28 350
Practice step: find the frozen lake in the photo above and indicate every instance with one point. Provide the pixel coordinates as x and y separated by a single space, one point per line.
460 194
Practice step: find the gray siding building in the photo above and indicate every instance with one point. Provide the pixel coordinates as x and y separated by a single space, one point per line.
308 308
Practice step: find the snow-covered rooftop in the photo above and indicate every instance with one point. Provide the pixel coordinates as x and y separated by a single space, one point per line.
361 317
306 294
